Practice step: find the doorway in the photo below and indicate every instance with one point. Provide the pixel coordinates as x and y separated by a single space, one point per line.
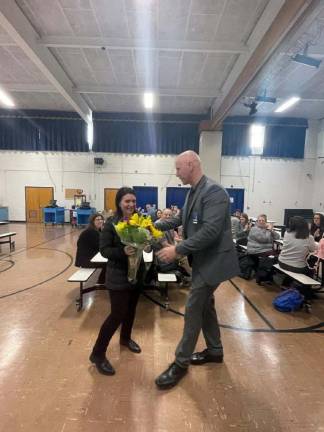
36 198
110 195
236 198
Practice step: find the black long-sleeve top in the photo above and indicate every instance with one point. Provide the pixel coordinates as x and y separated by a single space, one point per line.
87 247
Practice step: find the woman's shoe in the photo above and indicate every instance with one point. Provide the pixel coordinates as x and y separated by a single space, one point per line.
102 364
131 345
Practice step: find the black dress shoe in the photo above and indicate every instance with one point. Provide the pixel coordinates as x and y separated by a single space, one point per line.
131 345
102 364
203 357
170 377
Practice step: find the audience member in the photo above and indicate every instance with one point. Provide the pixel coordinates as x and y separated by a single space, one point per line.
260 240
158 214
317 227
237 213
151 211
88 245
297 244
244 229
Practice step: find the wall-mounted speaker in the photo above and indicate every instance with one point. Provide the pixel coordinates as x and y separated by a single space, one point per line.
98 161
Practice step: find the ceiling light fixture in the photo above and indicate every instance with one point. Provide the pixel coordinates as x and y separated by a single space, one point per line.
148 100
5 99
289 103
305 59
265 98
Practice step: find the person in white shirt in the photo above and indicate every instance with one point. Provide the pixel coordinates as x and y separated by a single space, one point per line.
297 244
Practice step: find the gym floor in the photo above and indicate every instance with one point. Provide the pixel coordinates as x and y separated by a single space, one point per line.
272 378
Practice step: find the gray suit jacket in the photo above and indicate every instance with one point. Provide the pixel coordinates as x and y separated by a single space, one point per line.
207 233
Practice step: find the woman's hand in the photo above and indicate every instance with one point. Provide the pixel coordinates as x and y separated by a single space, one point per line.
129 250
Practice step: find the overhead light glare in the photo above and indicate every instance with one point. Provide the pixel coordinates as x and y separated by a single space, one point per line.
289 103
257 138
5 99
148 100
90 135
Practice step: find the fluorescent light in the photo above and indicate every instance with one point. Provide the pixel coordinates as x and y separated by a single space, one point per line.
306 60
257 138
289 103
90 135
148 100
5 99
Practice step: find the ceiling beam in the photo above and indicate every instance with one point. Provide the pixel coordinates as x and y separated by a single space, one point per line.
112 90
129 91
141 44
21 31
291 12
123 90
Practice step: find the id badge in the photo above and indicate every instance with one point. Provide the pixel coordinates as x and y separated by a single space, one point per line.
195 218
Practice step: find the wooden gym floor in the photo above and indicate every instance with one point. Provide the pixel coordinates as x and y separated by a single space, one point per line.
272 378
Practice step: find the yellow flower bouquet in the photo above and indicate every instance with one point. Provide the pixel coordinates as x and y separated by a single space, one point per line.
137 231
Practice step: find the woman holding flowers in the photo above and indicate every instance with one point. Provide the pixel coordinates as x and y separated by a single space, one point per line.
122 241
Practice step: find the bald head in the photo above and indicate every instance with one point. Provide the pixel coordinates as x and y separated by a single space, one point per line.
188 167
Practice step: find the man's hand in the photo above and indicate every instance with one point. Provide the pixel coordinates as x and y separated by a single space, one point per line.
167 254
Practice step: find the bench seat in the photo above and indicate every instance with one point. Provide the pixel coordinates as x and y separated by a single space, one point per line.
83 275
9 241
299 277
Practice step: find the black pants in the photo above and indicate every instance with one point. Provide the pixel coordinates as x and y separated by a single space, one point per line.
123 308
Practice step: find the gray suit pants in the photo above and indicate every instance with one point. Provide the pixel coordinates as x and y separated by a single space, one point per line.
200 314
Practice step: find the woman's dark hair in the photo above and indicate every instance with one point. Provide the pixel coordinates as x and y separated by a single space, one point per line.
245 216
321 226
119 196
299 226
92 220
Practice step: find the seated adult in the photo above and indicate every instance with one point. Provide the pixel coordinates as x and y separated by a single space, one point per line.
297 244
260 240
237 213
243 232
88 246
317 227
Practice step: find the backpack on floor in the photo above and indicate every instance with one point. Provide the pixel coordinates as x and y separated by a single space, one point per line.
288 301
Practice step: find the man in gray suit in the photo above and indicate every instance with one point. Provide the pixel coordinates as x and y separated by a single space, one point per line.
209 246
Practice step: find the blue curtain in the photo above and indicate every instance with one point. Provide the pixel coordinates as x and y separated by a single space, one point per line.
235 141
284 137
113 132
285 142
63 135
146 195
176 196
18 134
147 134
36 130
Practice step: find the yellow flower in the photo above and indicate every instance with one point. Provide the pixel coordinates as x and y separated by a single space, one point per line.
134 220
155 232
121 226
